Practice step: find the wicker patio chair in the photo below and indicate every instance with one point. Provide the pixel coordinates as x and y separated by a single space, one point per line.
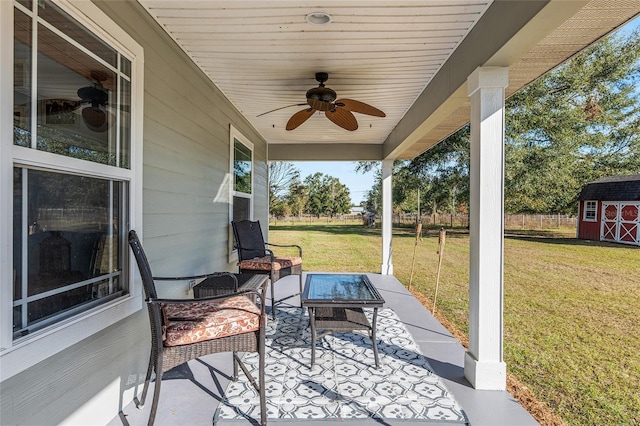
255 257
185 329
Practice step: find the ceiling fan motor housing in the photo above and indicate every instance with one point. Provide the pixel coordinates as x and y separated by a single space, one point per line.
321 98
95 94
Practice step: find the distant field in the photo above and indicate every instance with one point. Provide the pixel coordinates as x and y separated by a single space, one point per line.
572 333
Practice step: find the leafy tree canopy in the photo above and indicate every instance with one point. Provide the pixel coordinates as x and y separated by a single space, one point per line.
327 195
319 194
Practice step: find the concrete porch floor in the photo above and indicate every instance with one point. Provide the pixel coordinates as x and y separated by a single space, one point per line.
190 393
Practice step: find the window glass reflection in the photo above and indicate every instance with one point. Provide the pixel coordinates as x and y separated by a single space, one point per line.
17 233
242 168
241 208
26 3
22 79
63 22
125 66
75 94
125 123
73 256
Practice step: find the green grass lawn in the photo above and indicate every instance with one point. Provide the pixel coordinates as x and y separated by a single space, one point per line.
572 333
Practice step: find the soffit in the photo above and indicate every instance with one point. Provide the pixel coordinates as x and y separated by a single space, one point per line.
391 54
263 55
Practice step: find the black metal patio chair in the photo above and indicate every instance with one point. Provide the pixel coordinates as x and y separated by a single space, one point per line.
186 329
254 256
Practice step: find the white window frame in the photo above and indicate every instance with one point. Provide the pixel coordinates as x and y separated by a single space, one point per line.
17 356
594 210
235 135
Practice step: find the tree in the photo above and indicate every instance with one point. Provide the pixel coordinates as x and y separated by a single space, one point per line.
405 188
281 209
317 196
297 198
339 199
440 176
373 198
327 195
282 175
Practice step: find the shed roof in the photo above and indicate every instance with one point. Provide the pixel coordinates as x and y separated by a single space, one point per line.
613 188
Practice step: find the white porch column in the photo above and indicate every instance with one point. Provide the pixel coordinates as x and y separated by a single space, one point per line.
483 364
387 210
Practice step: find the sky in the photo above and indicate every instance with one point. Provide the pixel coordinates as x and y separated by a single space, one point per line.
359 183
345 171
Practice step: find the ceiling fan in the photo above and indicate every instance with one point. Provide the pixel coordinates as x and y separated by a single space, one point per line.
339 111
97 95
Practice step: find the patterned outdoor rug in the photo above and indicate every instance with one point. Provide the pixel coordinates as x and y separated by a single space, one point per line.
344 382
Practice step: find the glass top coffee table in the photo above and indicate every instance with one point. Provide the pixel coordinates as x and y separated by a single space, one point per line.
335 303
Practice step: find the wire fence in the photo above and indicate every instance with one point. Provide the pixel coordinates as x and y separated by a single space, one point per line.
511 221
539 221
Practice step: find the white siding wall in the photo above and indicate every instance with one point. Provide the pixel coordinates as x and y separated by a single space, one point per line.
185 210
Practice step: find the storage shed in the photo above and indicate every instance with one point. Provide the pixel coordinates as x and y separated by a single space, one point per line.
609 210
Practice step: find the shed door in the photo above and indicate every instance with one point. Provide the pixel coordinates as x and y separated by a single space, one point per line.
621 222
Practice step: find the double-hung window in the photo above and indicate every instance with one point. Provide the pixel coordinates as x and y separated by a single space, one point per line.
590 211
241 182
74 159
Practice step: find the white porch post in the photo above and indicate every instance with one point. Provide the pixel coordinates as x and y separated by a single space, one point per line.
483 364
387 206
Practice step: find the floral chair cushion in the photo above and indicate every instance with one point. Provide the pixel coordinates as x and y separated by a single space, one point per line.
197 322
264 263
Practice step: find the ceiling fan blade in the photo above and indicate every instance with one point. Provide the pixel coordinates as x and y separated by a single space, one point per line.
343 118
278 109
54 106
299 117
361 107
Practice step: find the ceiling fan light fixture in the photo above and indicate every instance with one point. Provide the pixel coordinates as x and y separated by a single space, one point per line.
318 18
94 118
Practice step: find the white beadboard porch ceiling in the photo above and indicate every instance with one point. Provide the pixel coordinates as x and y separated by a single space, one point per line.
263 55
